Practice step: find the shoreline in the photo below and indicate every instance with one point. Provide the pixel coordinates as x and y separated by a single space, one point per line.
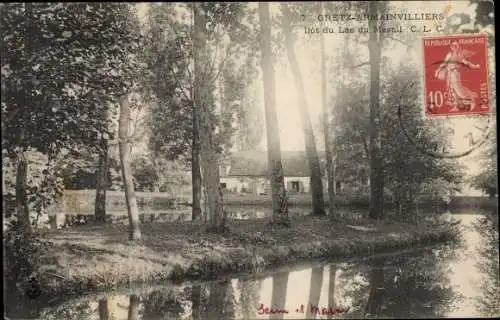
80 263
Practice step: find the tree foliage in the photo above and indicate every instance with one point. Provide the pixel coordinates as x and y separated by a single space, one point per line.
229 66
408 173
62 65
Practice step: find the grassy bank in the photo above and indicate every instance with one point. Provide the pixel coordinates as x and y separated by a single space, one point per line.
96 258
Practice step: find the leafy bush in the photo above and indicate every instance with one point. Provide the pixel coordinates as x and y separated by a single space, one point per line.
22 252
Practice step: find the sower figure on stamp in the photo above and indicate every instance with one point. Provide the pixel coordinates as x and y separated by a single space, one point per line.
458 95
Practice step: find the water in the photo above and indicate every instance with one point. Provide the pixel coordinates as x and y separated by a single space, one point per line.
443 281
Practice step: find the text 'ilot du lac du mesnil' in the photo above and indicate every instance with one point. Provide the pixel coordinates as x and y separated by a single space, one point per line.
263 310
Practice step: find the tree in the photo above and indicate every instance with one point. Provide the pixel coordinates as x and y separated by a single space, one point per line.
102 182
128 184
53 96
310 143
173 131
278 191
487 179
330 168
411 176
251 126
174 125
213 22
376 173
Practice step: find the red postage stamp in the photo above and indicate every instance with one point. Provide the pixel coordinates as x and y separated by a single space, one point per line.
456 75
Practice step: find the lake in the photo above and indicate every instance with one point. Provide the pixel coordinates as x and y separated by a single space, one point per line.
452 280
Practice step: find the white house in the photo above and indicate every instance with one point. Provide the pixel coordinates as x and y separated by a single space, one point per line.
247 172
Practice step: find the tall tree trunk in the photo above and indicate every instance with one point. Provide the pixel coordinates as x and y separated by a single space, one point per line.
314 293
278 298
278 191
195 170
102 183
23 214
310 142
330 173
376 174
208 154
128 184
133 307
331 289
22 208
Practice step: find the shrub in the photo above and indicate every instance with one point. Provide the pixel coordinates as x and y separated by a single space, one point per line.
22 252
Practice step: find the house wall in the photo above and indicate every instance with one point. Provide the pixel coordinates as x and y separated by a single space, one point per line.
304 184
245 184
260 185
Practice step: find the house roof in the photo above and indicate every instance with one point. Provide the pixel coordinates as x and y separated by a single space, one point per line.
254 163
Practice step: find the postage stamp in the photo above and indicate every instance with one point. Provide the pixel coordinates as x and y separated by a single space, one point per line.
456 75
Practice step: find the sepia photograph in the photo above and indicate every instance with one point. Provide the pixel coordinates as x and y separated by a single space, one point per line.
249 160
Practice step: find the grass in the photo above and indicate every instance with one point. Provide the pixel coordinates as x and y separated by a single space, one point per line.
99 258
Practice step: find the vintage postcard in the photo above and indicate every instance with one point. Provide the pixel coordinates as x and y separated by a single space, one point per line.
249 160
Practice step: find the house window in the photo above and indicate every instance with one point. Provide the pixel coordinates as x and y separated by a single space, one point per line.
222 171
223 185
364 180
296 186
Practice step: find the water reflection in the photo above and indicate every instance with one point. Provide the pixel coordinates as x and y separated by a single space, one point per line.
248 297
133 307
375 304
314 292
425 283
279 292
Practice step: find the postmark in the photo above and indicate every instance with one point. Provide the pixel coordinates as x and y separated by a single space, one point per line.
456 75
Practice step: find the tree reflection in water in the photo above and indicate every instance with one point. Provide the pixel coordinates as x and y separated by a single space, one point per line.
103 309
197 301
278 300
377 288
249 297
314 292
489 303
331 288
413 285
221 302
133 307
165 304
